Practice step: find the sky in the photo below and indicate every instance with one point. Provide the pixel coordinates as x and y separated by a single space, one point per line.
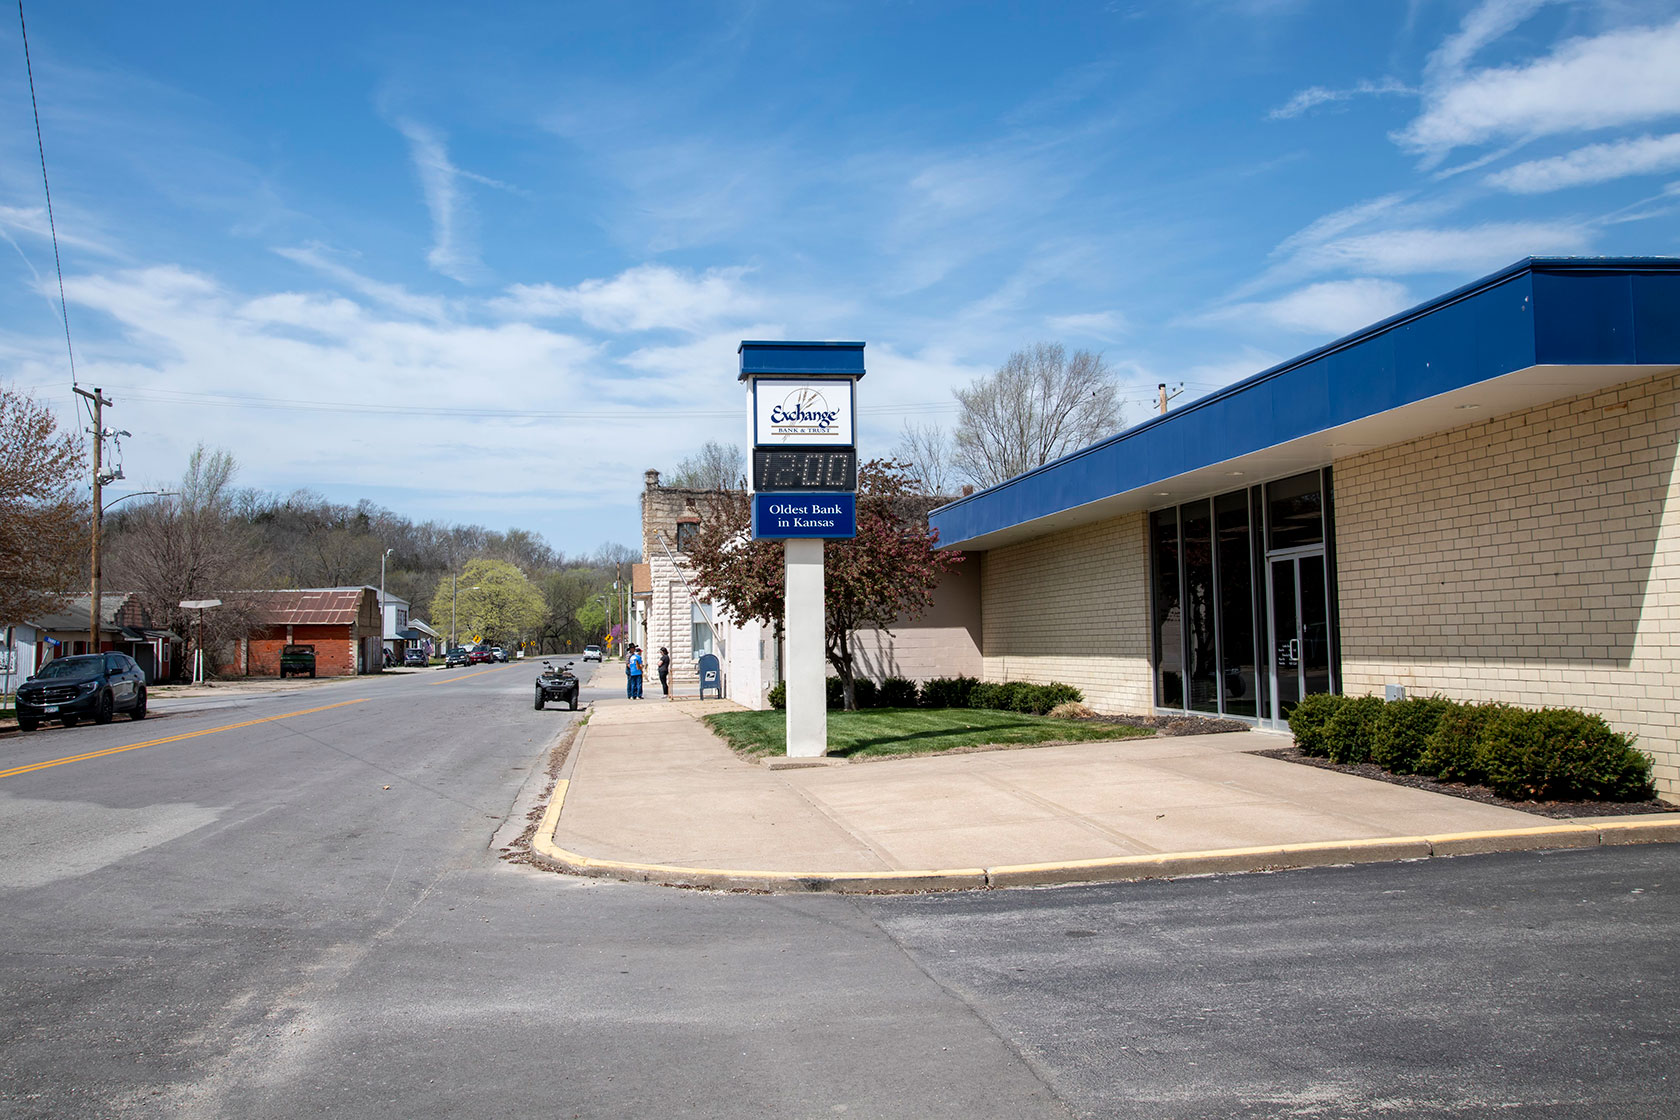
487 264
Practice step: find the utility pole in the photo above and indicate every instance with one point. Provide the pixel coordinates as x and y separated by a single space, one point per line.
99 481
1167 397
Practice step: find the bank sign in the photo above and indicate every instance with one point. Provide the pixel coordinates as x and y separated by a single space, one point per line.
777 516
790 412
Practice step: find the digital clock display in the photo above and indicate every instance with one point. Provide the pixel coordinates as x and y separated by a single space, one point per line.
805 470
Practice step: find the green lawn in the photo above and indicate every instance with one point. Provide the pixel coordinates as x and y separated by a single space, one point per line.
891 732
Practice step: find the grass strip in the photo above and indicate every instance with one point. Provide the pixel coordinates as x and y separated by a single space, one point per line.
894 732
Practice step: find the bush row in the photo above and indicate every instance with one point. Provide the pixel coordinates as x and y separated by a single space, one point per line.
945 692
1554 754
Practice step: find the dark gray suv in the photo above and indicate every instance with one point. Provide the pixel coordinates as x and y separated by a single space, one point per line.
88 686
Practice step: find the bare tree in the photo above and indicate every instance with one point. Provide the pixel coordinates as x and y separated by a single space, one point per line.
44 521
193 546
717 466
1037 406
928 451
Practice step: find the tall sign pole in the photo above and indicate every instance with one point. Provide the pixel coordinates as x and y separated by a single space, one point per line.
802 428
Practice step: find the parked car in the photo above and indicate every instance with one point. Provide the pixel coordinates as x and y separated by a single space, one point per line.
592 653
497 653
478 655
88 686
296 661
415 659
454 657
557 684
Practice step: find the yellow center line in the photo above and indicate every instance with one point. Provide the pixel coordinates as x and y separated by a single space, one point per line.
171 739
480 673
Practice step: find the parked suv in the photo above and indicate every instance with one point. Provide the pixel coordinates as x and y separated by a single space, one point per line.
88 686
592 653
456 656
415 658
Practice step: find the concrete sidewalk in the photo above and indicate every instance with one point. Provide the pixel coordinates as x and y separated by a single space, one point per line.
648 793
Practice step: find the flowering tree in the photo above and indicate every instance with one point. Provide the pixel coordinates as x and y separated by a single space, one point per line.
886 572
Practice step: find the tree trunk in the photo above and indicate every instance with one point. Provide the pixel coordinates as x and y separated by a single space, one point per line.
841 657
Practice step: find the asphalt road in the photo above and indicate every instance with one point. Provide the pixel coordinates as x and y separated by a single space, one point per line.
307 916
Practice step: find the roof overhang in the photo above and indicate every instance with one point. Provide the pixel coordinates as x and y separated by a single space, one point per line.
1540 331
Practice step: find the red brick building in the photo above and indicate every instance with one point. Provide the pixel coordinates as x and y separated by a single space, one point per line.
342 623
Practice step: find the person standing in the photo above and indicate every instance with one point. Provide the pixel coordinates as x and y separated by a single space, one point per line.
636 667
665 671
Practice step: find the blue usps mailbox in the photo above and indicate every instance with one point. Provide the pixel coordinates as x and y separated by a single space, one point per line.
710 675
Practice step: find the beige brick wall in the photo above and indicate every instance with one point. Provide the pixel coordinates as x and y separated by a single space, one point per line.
1073 607
1532 558
943 641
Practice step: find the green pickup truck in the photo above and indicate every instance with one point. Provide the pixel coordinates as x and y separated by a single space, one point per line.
296 661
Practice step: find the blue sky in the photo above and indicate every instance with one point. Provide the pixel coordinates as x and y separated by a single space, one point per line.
422 254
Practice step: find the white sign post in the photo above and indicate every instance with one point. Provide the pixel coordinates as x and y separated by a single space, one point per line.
801 402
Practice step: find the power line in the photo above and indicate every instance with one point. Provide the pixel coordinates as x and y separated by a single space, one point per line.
52 226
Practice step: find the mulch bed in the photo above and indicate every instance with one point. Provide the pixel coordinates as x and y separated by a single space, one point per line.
1556 809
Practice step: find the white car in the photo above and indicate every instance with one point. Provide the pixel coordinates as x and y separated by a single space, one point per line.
592 653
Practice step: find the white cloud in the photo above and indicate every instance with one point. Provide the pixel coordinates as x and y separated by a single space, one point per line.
452 253
394 296
1487 22
1103 325
647 297
1466 249
1618 78
1332 308
1314 96
1596 163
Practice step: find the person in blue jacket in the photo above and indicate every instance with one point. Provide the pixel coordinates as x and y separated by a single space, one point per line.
634 666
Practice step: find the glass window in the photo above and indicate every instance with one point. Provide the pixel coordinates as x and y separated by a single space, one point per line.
1168 638
700 614
1296 511
1201 653
1236 605
686 532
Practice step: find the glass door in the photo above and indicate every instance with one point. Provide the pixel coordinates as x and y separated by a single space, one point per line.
1300 629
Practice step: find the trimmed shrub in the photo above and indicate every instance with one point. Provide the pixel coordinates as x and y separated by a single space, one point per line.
1055 694
1402 730
778 696
1453 750
1308 718
896 692
1015 696
1560 754
947 692
985 695
863 691
1348 733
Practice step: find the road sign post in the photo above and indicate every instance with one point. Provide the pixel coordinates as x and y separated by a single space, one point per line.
802 406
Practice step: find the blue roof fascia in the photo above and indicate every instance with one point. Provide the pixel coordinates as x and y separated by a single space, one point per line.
1539 311
807 359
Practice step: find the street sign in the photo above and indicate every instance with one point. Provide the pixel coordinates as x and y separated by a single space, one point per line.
789 516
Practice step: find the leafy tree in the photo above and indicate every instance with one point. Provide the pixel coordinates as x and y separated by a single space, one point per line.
44 522
1038 406
886 572
592 618
494 603
717 466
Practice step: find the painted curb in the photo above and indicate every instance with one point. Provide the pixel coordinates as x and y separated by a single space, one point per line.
1164 865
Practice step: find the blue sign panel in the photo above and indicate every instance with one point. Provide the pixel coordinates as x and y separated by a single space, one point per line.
779 516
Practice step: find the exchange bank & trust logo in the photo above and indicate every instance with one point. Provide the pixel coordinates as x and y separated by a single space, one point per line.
804 412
